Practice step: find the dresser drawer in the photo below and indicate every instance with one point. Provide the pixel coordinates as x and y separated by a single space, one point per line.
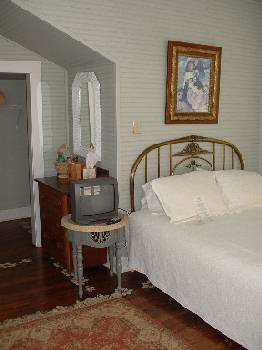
51 220
51 202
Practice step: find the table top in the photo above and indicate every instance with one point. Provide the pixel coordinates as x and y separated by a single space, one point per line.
68 223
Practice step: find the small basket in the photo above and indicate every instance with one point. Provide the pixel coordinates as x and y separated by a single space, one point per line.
62 170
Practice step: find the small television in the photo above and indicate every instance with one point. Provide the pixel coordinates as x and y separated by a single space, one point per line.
94 200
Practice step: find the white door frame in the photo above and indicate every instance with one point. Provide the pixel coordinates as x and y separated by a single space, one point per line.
36 159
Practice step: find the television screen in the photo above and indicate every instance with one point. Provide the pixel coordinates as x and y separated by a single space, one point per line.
94 200
97 199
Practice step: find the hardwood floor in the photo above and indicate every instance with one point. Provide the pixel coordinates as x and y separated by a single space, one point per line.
39 285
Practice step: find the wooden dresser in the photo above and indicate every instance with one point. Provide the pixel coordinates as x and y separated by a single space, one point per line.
54 198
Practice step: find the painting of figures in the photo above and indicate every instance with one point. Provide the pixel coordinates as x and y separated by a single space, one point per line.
192 83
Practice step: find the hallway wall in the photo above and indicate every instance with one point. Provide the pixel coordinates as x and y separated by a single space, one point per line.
14 169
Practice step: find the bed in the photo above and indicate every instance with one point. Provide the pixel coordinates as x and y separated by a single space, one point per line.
212 267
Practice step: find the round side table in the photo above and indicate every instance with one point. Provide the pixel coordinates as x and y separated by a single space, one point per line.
97 236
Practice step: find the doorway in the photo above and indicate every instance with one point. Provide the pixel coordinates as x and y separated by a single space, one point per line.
32 72
14 150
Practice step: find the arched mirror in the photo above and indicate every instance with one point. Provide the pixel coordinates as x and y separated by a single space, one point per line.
86 114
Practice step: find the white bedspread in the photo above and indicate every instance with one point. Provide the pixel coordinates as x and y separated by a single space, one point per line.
214 268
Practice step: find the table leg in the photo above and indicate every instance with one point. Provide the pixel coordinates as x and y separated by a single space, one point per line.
111 259
80 269
118 264
75 261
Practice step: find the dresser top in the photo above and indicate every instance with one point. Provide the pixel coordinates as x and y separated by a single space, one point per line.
57 184
64 185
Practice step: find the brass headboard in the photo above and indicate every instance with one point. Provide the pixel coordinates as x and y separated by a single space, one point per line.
190 153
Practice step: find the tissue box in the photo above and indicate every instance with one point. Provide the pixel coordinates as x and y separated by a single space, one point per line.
89 173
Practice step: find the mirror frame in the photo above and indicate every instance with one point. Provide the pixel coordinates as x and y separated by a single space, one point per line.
95 113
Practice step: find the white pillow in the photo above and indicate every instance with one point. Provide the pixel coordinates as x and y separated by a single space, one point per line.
183 197
241 189
150 200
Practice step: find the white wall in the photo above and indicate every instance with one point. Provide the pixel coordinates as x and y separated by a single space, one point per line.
134 34
54 99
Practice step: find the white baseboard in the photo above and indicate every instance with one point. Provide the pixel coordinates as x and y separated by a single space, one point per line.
17 213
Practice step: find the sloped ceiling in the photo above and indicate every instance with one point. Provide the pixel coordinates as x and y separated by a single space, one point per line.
36 35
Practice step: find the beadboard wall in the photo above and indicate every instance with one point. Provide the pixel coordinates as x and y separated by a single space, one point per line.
105 73
53 99
134 35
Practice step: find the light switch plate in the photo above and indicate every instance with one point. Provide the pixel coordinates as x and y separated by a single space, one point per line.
136 127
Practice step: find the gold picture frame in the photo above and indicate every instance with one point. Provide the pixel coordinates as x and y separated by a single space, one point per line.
193 83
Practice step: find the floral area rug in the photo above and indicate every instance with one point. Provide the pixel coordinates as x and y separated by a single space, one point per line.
111 324
8 265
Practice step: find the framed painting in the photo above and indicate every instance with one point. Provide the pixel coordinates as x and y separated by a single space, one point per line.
193 80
